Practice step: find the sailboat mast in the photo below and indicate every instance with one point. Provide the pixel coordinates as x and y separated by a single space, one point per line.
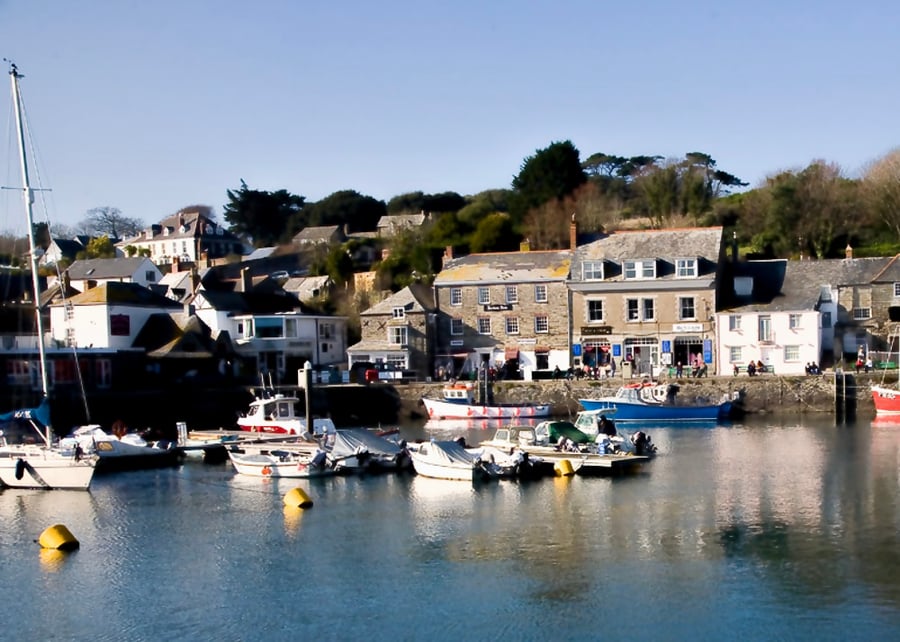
28 195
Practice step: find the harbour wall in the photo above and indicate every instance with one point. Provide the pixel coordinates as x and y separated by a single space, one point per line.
846 395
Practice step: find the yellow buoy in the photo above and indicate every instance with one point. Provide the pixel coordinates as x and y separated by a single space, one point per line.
563 468
298 497
58 537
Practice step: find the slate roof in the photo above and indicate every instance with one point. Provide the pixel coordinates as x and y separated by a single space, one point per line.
307 287
176 336
317 234
116 293
413 298
105 268
506 267
252 302
667 245
187 225
782 285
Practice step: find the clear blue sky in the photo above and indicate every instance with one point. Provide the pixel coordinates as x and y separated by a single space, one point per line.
149 106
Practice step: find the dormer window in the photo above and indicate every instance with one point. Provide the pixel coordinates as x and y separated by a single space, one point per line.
592 270
686 268
642 269
166 231
399 313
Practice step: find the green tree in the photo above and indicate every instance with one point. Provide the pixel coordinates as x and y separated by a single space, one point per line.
262 217
494 234
99 248
360 213
551 173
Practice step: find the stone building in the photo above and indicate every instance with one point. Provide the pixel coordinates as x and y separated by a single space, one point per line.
507 310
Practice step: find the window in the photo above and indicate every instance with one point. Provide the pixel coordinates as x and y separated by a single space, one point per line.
484 296
512 294
686 308
456 326
826 320
484 325
896 289
734 322
70 311
399 313
735 354
542 324
540 294
592 270
594 311
862 313
632 310
640 309
686 268
792 353
397 335
794 321
455 296
512 325
765 329
70 337
290 328
645 269
327 330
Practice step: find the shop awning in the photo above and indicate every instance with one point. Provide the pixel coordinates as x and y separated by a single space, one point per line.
511 353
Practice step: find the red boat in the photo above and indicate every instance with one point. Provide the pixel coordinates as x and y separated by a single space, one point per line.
887 400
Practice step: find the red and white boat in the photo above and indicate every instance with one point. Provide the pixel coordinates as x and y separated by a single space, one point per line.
887 401
277 414
458 402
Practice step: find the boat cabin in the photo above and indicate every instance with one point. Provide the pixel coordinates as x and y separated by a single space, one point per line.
460 393
277 407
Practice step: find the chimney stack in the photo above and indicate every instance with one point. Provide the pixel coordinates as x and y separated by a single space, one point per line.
573 233
176 264
246 281
448 255
848 252
525 245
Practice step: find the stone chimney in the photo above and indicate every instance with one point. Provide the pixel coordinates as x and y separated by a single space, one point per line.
246 281
573 233
848 252
448 255
176 264
525 245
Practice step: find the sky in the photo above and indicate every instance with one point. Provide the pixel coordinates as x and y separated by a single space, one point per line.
150 106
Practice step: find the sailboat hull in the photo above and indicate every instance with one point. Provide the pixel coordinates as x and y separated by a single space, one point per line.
36 467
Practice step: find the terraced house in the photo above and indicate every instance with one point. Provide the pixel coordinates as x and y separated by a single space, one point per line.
646 300
505 310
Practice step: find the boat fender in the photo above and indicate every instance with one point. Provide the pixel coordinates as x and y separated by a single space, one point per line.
20 468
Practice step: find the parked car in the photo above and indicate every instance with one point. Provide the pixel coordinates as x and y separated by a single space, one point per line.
280 275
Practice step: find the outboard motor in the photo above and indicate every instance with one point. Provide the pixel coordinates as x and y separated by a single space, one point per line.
642 443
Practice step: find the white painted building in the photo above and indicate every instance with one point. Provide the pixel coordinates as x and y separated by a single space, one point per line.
89 273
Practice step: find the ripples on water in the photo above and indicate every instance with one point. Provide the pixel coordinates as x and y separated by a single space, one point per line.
750 531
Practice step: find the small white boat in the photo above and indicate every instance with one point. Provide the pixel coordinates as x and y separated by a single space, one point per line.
281 464
277 414
449 460
458 402
121 450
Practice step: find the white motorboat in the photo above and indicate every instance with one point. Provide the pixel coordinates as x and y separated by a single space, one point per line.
450 460
281 463
276 413
122 450
43 464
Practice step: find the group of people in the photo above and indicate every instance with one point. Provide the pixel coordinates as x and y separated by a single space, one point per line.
812 368
698 368
753 369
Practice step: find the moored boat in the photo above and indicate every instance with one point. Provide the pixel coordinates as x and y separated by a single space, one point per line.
122 450
281 463
458 402
657 403
448 460
277 414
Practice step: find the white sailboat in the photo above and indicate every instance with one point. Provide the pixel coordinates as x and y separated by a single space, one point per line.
43 464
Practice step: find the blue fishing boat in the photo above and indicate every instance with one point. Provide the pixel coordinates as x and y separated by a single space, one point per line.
657 403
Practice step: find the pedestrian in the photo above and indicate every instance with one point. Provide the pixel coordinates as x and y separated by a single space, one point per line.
679 370
868 365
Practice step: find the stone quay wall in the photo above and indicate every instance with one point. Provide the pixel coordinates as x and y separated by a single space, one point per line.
763 394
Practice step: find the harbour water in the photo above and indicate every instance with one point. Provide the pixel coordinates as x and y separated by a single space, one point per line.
755 531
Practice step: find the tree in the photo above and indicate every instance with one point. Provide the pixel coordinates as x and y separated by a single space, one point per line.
550 173
360 213
494 234
99 248
262 217
111 222
880 190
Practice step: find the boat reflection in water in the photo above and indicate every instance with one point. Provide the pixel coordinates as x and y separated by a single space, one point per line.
477 424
